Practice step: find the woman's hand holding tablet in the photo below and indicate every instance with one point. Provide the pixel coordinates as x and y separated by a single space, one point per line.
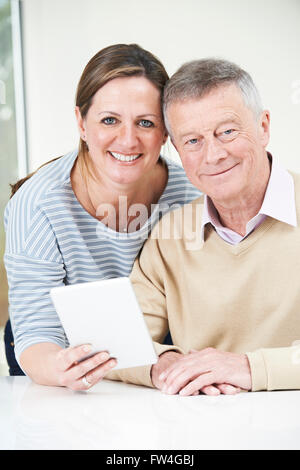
77 373
105 316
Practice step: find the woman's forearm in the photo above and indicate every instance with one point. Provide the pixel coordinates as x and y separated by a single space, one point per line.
39 362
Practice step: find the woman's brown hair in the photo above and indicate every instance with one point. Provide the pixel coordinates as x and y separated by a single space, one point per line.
119 60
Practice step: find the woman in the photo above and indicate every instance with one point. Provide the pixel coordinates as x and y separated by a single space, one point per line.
86 215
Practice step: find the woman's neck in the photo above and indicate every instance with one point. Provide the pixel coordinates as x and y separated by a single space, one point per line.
114 204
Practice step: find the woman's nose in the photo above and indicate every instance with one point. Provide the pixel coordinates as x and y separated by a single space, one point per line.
128 137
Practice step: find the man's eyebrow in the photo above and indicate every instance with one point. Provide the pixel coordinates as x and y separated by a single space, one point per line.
221 123
227 121
191 132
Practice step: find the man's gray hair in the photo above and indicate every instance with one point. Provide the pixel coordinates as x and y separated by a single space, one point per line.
197 78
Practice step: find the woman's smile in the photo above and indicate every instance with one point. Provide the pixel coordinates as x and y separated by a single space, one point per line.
124 158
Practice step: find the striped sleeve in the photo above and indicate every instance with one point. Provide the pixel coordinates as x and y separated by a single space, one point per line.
33 317
34 265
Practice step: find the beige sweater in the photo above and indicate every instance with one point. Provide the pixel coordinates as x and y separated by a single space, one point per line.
243 298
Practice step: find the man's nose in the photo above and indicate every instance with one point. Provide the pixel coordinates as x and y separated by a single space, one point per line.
215 151
128 137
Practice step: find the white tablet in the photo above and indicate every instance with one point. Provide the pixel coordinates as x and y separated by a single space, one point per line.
106 315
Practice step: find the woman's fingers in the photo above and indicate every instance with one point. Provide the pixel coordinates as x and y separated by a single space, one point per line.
95 375
82 368
73 367
69 356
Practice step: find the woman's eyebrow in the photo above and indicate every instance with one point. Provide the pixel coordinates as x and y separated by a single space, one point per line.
139 116
109 112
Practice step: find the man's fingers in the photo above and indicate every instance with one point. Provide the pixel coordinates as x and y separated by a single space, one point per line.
185 362
199 383
217 389
228 389
184 372
163 376
211 390
177 380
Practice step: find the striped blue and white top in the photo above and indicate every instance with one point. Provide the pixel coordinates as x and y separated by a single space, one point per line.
51 241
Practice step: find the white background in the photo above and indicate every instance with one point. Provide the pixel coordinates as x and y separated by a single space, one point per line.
60 36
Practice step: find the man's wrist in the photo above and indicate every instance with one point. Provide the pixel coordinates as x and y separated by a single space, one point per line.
165 359
247 382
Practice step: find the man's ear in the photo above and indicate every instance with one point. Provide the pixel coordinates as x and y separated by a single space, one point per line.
265 128
80 123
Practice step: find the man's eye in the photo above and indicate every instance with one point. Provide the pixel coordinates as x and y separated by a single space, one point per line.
228 135
109 120
192 141
145 123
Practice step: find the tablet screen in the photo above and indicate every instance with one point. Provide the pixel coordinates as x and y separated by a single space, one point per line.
106 314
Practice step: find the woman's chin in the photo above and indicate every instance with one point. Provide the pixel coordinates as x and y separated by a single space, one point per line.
125 176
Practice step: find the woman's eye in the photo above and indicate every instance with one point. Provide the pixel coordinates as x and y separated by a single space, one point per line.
109 120
145 123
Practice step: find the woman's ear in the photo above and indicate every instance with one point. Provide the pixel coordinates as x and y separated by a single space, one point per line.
80 123
165 138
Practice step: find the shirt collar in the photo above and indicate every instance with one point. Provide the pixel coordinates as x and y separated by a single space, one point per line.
279 201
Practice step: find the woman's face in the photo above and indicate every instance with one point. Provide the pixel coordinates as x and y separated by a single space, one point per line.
124 129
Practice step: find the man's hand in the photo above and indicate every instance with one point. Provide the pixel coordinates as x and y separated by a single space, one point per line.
201 369
165 360
169 366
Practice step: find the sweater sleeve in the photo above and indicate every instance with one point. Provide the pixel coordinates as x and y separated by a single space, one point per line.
275 368
147 280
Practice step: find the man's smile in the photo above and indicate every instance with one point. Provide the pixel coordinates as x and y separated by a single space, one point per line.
222 172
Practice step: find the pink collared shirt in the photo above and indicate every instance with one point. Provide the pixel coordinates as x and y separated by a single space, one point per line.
278 203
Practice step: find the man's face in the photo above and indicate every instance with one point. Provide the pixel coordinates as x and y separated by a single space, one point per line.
221 143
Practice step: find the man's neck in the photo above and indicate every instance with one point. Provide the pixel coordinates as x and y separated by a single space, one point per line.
236 214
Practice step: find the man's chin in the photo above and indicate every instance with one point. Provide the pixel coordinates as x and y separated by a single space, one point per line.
223 196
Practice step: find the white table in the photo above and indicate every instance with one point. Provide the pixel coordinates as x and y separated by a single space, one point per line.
113 415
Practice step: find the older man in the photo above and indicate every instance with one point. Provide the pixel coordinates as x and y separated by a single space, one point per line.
232 301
